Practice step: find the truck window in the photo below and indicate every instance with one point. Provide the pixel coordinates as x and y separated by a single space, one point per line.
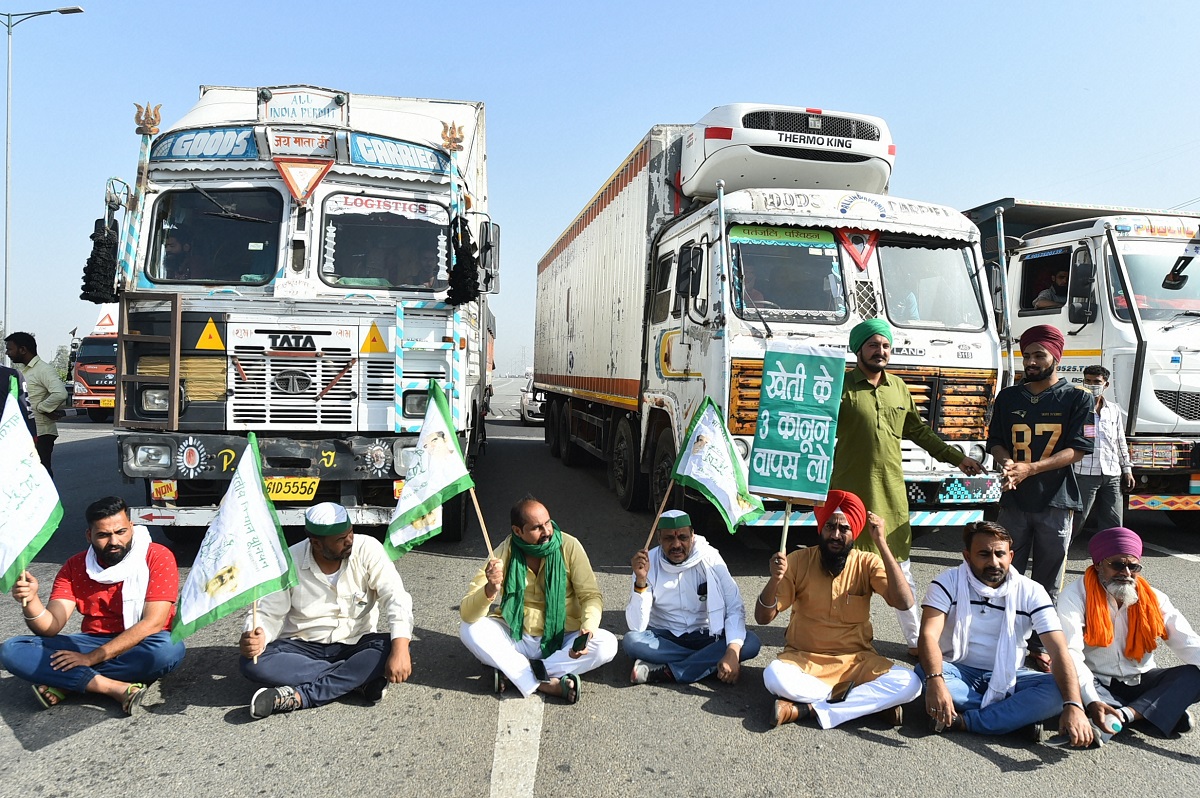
97 350
663 295
788 273
384 242
1038 279
215 236
1148 263
930 283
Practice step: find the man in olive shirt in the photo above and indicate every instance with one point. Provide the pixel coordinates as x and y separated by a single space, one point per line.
877 412
546 630
47 394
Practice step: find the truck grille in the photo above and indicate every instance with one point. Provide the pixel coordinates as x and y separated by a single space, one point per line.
954 402
1185 404
812 155
792 122
282 392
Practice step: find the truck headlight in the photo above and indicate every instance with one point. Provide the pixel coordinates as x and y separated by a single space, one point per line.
148 458
743 448
415 403
154 400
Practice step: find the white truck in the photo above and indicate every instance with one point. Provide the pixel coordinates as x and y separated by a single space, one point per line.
669 284
1150 345
298 262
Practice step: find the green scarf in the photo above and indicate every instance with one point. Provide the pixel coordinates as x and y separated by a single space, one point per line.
554 582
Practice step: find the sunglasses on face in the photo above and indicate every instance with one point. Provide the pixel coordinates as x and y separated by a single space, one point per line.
1131 567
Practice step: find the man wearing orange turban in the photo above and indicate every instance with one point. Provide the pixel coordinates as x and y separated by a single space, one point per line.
1113 620
829 669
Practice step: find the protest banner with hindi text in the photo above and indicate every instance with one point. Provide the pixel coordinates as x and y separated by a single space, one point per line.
792 456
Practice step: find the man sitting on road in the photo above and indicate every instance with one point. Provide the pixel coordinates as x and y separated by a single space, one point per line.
546 630
829 669
125 588
318 641
974 626
685 614
1113 620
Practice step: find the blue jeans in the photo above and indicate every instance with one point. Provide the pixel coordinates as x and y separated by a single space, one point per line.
692 656
1034 698
320 672
28 657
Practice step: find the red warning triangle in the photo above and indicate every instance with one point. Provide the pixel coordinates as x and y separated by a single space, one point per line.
302 175
866 240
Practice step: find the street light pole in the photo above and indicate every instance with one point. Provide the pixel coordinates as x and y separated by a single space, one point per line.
11 21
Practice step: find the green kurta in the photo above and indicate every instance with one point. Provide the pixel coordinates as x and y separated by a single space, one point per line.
868 462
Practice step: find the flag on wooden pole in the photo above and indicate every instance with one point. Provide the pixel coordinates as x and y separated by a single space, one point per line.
708 464
243 557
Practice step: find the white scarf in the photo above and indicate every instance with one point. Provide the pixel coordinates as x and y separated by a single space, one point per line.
1015 590
702 555
133 572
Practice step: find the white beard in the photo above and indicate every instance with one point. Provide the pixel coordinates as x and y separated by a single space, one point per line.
1124 592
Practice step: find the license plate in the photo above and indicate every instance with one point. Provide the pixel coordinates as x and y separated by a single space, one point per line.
292 488
109 402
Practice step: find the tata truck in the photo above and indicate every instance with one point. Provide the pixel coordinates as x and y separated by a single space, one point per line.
297 262
758 223
1131 303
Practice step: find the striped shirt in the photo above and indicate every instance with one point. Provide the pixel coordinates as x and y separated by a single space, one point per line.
1110 457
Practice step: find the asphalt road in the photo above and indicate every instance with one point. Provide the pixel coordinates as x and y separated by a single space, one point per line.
443 733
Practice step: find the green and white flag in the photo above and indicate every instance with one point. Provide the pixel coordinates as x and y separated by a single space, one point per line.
29 507
243 557
708 464
435 473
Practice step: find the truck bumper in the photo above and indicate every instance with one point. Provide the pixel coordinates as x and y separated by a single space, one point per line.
288 516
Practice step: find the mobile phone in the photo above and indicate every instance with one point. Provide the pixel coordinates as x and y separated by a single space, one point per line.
539 670
580 643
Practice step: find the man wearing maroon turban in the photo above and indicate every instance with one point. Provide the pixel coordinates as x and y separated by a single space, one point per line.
1113 620
829 669
1036 435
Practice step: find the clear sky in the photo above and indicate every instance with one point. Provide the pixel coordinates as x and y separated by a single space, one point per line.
1067 101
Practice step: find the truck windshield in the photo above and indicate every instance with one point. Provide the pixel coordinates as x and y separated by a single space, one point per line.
382 242
788 273
930 284
1148 263
97 350
215 236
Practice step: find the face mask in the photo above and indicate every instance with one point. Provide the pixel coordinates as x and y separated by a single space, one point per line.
1096 390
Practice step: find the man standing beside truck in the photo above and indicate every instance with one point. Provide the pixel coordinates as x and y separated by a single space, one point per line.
877 412
1036 435
1107 470
47 394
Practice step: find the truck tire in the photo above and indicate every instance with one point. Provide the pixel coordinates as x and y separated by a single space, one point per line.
552 428
660 473
454 518
99 415
628 481
1184 519
570 454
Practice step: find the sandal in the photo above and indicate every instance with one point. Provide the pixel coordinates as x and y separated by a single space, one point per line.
134 694
568 687
48 696
499 681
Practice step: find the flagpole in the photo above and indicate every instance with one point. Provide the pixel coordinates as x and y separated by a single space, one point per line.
658 516
479 514
787 519
25 601
254 621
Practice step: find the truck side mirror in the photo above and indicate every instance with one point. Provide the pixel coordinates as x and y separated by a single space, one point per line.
1081 290
489 257
687 277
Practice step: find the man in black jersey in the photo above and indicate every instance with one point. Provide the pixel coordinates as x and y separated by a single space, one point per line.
1036 434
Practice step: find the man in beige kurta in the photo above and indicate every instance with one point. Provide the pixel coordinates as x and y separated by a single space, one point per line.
829 669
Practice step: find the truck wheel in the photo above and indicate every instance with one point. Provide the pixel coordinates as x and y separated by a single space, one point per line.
630 484
99 415
1184 519
552 428
570 454
660 474
454 518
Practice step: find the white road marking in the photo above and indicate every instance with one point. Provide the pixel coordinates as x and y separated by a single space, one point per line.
1164 550
518 743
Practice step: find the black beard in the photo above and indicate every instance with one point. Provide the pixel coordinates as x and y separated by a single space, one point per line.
109 560
833 563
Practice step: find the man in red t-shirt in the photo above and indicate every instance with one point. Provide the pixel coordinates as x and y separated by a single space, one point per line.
125 587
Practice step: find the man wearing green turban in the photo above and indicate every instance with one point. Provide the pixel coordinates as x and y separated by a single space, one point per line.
877 413
546 629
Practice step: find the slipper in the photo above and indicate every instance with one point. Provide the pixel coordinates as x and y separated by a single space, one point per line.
568 687
134 694
48 696
499 681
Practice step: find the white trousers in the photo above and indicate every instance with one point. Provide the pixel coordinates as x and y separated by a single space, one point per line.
910 619
489 641
897 686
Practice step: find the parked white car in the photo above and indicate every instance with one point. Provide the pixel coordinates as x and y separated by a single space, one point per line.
531 404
